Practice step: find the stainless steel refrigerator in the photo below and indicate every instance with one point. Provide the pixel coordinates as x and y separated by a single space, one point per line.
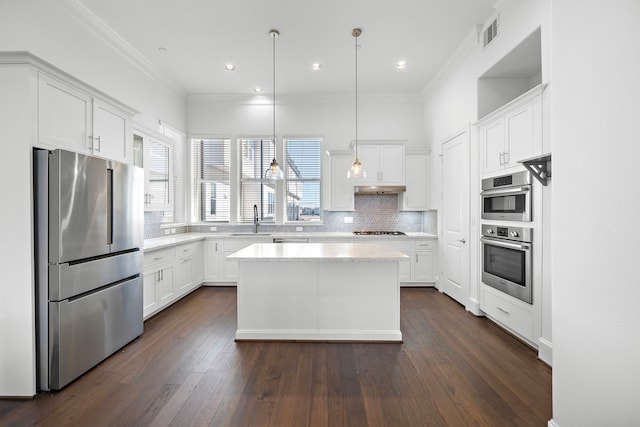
89 236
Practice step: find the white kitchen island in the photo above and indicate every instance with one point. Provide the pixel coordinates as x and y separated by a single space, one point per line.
318 292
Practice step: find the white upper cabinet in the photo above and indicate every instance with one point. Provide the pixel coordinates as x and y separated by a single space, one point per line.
64 115
417 182
383 164
72 118
341 188
512 133
110 132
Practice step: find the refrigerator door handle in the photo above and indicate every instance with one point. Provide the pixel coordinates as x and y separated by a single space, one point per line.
109 206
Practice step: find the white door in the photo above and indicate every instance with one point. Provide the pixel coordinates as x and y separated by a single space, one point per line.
455 217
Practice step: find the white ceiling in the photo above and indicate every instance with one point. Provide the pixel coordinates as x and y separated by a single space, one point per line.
200 36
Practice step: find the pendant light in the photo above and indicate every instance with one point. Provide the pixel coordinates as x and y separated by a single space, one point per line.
357 170
274 171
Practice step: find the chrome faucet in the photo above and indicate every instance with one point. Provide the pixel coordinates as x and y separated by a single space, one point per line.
255 218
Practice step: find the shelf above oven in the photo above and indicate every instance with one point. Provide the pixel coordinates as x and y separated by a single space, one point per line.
539 166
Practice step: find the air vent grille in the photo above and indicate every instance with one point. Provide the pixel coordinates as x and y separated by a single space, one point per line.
491 32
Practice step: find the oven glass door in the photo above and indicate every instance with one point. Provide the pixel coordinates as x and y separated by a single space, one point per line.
506 263
506 266
507 205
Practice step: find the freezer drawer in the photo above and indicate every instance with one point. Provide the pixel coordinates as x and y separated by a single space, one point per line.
68 280
85 331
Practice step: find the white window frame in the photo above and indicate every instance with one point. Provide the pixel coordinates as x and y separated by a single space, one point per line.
284 194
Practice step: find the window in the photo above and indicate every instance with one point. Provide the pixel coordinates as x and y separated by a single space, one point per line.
303 175
254 188
173 187
210 162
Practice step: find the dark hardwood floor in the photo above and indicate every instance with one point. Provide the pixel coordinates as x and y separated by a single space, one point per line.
453 369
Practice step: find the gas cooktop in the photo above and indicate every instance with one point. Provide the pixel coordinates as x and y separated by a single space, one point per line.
378 233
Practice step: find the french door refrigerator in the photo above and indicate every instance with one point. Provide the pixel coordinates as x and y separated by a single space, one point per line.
89 235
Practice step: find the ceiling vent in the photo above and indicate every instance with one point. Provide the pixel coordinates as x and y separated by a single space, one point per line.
490 33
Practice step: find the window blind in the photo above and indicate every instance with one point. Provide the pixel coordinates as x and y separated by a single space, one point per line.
255 158
210 165
303 172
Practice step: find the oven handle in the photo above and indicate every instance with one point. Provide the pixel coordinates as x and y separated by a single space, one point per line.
499 191
502 243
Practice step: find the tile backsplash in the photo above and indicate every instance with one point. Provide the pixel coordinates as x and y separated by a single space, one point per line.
372 212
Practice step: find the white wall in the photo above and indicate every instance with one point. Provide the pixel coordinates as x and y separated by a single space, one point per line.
329 117
17 321
56 32
596 293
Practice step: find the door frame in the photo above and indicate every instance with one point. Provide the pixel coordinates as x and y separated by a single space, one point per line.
472 302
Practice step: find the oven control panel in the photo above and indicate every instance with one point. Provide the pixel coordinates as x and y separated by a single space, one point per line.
520 234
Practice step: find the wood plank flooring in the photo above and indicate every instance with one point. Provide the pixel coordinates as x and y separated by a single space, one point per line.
453 369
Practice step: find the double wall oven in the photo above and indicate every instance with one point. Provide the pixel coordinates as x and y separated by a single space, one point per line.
507 244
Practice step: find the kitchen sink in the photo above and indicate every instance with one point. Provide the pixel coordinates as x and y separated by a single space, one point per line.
251 234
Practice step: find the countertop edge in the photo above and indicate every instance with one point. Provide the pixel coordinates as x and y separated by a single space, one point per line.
162 242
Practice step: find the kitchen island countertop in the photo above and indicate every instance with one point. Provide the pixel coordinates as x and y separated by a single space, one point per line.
317 252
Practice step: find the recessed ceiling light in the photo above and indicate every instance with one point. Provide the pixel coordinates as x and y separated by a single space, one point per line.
316 66
229 67
162 49
401 65
257 90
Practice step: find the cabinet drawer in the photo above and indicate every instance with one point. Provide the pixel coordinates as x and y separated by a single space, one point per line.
158 257
186 250
508 313
423 246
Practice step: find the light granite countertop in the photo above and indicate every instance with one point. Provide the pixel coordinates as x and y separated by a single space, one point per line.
317 252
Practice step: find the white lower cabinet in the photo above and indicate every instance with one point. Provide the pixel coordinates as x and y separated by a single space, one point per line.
169 274
509 312
212 258
423 261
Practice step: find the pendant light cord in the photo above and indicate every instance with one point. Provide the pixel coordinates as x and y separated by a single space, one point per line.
274 90
357 95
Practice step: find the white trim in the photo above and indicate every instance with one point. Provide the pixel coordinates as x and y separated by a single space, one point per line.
552 423
318 335
545 351
121 46
306 99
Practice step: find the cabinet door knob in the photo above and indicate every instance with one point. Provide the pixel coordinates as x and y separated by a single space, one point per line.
462 241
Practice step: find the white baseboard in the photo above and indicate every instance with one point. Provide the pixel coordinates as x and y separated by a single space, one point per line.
545 351
552 423
473 307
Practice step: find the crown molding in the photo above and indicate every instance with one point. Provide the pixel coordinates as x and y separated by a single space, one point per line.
112 39
459 55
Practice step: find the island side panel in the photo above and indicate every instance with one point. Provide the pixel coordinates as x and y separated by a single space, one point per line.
324 300
277 296
359 297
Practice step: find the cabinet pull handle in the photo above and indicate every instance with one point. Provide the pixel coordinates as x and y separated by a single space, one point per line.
99 144
158 258
216 246
502 310
416 258
507 157
501 158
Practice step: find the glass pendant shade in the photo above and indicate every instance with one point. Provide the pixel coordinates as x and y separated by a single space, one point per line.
274 171
356 170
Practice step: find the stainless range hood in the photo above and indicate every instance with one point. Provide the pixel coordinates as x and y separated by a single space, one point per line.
379 189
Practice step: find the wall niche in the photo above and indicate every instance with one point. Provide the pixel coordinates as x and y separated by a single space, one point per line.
516 73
